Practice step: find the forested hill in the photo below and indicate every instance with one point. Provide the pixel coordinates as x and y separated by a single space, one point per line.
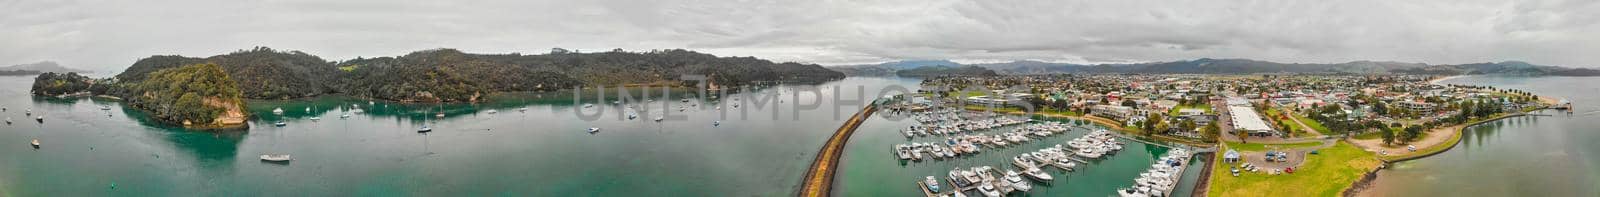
195 96
262 73
451 75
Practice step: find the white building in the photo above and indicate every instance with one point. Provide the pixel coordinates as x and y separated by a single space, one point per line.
1246 119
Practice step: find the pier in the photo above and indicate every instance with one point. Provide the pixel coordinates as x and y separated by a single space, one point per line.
819 177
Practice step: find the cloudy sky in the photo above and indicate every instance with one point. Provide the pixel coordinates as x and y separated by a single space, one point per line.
109 35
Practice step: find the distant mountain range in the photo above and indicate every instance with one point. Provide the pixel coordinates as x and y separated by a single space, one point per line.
934 71
36 68
1234 66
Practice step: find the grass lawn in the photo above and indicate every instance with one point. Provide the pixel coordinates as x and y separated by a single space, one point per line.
1272 113
1311 123
1263 147
1324 174
1202 106
1370 135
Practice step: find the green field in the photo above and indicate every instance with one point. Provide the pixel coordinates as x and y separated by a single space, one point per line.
1324 174
1311 123
1203 106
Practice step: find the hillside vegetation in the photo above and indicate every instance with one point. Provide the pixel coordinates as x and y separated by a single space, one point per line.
449 75
198 95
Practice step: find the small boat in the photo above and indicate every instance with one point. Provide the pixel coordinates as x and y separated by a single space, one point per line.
40 119
424 129
315 118
276 158
659 118
8 120
280 123
278 111
716 123
523 109
35 143
439 115
586 105
344 115
1037 174
105 107
308 109
493 111
933 185
594 129
1015 179
989 190
631 115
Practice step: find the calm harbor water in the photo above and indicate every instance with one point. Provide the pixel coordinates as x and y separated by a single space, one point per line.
1523 156
544 151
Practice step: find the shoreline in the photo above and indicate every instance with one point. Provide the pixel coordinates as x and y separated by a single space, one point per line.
1366 188
1436 81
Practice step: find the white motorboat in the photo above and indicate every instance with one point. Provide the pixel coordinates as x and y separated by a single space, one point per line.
1063 164
1015 180
989 190
315 118
424 129
35 143
276 158
586 105
1021 162
594 129
933 185
716 123
956 178
280 123
344 115
493 111
901 152
659 118
1037 174
278 111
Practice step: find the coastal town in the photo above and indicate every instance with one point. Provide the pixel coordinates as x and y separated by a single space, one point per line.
1309 135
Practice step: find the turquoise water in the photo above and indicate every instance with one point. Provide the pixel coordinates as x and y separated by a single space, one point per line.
542 152
1523 156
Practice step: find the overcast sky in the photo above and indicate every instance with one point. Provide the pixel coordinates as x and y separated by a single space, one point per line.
109 35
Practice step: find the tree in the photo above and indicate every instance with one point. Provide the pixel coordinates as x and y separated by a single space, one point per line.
1187 125
1211 131
1412 133
1388 136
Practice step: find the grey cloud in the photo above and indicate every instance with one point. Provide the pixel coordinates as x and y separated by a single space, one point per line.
109 35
